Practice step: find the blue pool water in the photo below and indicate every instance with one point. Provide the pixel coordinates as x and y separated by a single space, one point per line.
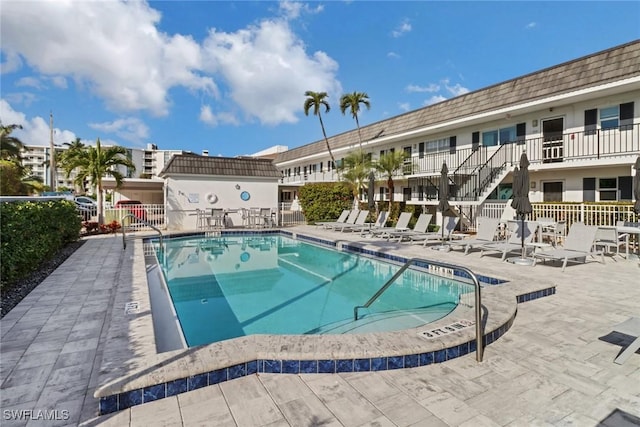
232 286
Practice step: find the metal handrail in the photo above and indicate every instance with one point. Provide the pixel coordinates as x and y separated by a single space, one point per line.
124 242
476 283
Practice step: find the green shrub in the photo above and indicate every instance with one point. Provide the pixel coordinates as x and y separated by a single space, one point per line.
33 232
324 200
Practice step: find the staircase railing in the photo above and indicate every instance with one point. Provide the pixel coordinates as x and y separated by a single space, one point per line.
476 283
484 174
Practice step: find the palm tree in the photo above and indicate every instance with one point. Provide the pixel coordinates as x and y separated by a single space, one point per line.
10 146
352 101
387 165
94 163
64 157
355 172
316 100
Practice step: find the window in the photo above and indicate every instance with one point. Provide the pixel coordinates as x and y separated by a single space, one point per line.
436 145
384 193
609 117
552 191
501 136
421 150
608 188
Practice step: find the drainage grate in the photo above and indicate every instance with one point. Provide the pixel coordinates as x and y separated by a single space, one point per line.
454 327
131 307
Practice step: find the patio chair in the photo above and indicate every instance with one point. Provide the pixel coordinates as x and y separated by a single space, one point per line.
341 219
450 224
629 327
419 229
486 233
578 244
514 243
402 224
353 215
359 222
609 240
367 227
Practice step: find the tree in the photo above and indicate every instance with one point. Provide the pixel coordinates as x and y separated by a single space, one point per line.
10 146
94 163
74 147
387 165
352 102
355 170
316 100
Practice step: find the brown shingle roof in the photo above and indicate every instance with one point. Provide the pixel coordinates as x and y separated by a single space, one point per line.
190 164
597 69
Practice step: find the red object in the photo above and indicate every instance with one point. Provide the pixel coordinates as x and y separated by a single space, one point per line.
134 207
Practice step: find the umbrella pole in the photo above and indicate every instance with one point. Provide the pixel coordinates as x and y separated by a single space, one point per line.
524 253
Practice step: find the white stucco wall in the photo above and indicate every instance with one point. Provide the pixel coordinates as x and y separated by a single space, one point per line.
185 194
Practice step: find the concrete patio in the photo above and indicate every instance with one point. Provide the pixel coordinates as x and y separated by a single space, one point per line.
553 367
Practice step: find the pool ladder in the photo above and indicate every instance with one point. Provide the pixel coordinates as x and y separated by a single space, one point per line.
452 267
124 242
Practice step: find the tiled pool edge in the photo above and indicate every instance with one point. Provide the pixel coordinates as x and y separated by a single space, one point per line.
124 400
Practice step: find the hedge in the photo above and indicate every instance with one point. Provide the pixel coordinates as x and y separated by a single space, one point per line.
33 232
324 200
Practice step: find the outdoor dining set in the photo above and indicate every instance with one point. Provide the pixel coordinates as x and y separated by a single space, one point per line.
210 219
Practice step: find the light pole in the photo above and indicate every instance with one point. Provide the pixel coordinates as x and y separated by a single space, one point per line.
52 155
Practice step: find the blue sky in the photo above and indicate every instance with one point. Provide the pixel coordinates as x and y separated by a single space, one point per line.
230 77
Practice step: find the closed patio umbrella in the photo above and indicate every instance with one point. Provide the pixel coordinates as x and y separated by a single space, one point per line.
443 195
521 202
371 191
636 187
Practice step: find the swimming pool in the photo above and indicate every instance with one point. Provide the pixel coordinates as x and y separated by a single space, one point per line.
238 285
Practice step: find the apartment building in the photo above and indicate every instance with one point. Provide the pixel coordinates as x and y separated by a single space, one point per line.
579 123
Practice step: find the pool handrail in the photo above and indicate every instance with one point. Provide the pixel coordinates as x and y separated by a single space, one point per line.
476 283
124 242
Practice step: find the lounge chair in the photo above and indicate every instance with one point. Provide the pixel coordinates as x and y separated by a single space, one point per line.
450 224
487 230
608 238
402 224
419 229
629 327
341 219
514 243
351 219
359 222
380 223
578 245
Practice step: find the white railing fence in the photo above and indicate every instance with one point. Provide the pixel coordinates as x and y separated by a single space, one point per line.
153 214
600 214
289 215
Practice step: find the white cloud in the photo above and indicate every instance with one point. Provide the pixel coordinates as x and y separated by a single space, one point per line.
207 116
434 100
34 131
401 29
392 55
59 81
130 129
122 57
268 70
293 9
431 87
30 82
456 89
404 106
530 25
22 98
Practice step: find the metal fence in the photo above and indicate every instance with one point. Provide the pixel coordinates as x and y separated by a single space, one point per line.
289 217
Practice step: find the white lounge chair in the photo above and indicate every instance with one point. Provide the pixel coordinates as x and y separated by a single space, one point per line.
578 245
341 219
629 327
359 222
486 233
419 229
450 224
380 223
351 219
402 224
514 243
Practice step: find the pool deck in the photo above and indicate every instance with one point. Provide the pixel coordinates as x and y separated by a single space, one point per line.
69 340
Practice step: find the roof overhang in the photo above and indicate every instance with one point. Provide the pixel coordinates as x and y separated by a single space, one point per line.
133 184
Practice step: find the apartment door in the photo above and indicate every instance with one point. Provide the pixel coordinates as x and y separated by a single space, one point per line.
552 140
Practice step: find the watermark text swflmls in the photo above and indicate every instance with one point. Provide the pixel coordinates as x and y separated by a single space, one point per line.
36 414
